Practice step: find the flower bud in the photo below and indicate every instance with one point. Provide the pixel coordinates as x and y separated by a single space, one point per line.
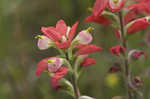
86 97
54 64
115 5
43 42
84 37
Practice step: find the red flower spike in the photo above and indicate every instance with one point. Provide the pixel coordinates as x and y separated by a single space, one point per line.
138 24
61 27
72 31
42 66
117 50
99 7
51 33
63 45
60 73
88 61
98 19
88 50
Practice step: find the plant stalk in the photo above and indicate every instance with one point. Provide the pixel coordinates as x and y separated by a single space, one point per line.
74 83
125 58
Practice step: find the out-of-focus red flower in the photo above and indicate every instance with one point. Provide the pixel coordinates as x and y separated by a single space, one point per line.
117 50
60 73
138 24
137 54
98 19
88 49
61 34
142 6
88 61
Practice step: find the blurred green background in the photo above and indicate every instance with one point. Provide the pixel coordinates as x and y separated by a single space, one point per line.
20 22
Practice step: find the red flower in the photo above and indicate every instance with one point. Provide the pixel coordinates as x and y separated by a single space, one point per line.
88 61
98 19
117 50
88 49
62 34
138 24
60 73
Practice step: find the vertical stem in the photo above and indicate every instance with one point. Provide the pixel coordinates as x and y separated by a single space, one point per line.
126 62
74 82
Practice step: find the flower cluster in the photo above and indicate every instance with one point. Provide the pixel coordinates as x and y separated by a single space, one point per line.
125 17
74 54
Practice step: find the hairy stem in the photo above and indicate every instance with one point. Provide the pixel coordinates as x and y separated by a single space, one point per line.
126 62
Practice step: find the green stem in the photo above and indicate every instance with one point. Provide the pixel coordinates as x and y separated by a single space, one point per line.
74 82
74 78
126 62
